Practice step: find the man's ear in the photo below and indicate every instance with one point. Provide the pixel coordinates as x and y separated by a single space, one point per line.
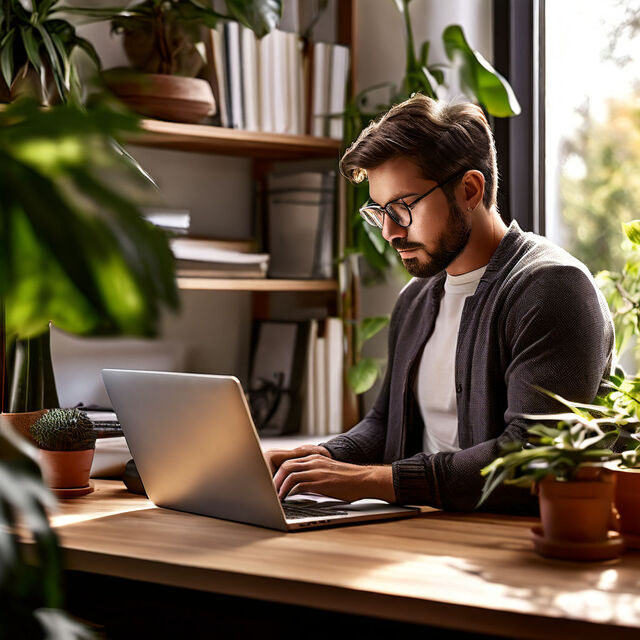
473 183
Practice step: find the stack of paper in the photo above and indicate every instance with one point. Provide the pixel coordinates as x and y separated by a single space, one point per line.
209 258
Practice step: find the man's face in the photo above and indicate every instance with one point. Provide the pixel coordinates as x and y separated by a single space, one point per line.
439 231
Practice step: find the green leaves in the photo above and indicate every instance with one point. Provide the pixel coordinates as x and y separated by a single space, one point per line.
478 77
76 252
632 231
371 327
581 437
363 375
261 16
42 42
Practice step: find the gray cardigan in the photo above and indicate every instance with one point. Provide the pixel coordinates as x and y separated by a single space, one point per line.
536 318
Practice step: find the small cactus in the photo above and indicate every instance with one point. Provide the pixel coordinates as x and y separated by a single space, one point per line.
64 430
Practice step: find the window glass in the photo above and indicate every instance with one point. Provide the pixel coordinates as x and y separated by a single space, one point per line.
592 120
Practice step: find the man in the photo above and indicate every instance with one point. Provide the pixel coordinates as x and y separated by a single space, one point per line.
491 312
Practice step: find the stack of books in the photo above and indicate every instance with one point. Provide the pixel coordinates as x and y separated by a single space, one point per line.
213 258
274 85
198 257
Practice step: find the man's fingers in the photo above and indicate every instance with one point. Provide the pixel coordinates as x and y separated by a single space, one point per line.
276 457
291 466
300 480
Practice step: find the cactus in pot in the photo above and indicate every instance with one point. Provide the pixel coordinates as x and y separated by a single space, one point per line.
67 441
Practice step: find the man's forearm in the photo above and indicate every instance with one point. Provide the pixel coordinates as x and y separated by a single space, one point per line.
381 483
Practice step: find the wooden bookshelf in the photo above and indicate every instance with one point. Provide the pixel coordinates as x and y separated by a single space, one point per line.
256 284
234 142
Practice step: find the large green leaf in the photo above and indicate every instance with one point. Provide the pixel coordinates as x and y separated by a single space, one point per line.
362 376
261 16
632 231
76 252
478 76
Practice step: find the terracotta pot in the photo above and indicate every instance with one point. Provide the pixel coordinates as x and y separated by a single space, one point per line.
66 469
627 497
578 511
22 422
166 97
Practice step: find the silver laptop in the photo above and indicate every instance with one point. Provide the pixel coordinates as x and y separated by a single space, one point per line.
197 450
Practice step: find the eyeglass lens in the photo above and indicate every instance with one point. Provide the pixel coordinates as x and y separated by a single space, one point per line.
397 211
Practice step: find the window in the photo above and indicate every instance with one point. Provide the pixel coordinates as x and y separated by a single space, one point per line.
592 99
592 131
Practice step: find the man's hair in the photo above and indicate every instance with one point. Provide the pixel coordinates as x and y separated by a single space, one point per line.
442 139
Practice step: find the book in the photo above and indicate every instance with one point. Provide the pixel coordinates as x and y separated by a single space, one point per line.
266 97
294 87
320 401
250 80
334 354
221 271
233 58
219 65
281 114
307 425
209 250
338 90
320 89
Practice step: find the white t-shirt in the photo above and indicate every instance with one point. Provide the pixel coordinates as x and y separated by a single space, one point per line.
435 383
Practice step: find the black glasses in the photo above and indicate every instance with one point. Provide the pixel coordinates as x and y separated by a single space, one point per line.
398 210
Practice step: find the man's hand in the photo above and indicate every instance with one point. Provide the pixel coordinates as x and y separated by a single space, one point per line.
316 473
275 457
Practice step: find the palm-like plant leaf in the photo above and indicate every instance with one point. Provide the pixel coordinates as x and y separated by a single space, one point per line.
76 252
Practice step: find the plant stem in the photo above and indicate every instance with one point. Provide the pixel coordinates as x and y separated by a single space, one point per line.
161 28
3 356
412 61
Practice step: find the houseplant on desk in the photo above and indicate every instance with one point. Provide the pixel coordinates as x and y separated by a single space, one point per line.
566 465
67 442
163 41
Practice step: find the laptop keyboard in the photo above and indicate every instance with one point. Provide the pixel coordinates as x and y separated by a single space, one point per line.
297 512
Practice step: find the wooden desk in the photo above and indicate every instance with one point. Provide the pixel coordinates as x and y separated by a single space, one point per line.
467 572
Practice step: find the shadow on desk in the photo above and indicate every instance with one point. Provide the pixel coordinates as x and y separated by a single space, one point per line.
126 609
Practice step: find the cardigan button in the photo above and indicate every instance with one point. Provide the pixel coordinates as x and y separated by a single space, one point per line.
458 388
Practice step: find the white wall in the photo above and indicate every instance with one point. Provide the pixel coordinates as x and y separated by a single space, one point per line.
381 58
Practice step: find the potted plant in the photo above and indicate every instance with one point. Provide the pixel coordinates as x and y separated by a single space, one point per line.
567 465
163 41
76 252
67 442
58 167
38 50
624 398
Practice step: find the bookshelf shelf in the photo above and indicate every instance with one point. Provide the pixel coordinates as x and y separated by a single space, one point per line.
233 142
257 284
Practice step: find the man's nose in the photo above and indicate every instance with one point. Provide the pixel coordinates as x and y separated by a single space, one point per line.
391 230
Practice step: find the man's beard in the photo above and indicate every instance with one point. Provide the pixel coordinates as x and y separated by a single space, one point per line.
450 245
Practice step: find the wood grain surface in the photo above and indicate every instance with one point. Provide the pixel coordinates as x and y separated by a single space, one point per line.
462 571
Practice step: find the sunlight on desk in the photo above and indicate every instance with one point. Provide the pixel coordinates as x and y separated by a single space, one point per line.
62 519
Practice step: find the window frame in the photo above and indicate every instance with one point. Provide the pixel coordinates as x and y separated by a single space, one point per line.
519 55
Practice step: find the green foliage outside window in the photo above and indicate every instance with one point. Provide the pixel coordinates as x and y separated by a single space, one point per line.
605 188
